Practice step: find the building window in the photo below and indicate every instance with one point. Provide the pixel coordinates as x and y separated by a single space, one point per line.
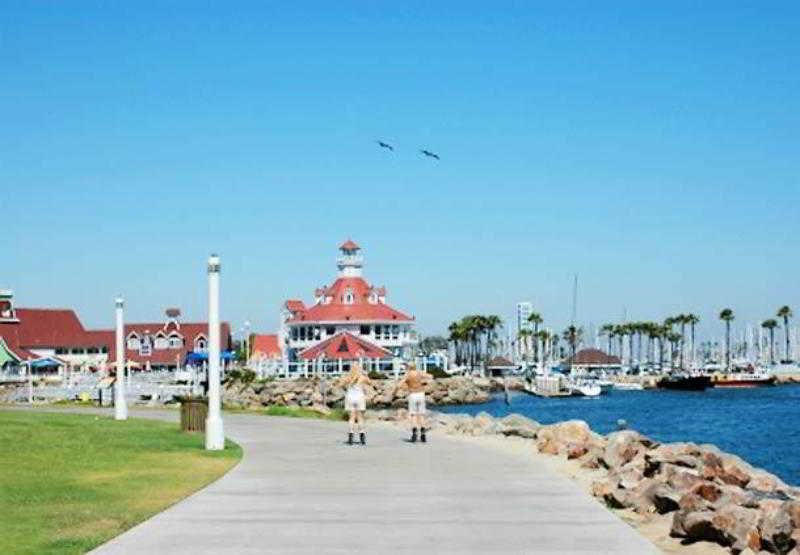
61 351
133 342
200 344
348 296
330 330
161 342
303 333
395 331
364 330
294 334
175 342
104 350
92 350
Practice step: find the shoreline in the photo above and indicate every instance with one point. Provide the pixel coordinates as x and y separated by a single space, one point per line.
684 498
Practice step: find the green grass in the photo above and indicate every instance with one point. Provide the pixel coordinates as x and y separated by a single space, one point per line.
302 412
69 482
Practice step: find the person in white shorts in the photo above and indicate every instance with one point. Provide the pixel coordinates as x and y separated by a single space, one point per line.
415 381
355 402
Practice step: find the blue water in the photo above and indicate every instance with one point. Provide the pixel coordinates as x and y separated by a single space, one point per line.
761 425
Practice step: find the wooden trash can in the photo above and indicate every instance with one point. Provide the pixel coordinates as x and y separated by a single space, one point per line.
194 411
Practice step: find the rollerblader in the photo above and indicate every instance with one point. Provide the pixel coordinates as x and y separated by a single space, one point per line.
355 402
415 381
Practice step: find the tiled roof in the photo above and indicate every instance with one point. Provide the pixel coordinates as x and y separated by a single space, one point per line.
594 357
349 245
500 362
345 346
265 345
360 311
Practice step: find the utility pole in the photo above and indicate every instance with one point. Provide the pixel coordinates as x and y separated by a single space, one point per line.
120 405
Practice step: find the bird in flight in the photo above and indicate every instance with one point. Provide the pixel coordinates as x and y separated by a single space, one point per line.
430 154
385 145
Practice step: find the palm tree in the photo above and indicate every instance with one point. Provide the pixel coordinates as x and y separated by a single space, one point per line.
608 331
543 336
785 312
523 336
490 325
770 325
692 320
674 338
535 319
573 336
727 316
619 333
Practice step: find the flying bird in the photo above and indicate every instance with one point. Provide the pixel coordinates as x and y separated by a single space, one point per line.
430 154
385 145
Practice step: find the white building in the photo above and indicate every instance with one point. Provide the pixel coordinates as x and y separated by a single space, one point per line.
348 320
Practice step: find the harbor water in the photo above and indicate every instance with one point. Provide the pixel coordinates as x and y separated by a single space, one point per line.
761 425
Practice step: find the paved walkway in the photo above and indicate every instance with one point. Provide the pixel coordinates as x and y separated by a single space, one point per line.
300 489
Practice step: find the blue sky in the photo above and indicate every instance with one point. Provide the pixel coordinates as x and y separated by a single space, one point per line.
653 150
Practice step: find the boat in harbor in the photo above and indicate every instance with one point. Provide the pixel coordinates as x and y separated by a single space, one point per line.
585 388
685 382
628 386
748 376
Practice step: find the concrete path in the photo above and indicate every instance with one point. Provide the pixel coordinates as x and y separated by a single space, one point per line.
300 489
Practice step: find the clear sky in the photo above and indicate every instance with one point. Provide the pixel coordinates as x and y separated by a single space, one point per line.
651 149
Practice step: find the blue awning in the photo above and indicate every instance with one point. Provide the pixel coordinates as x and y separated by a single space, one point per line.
202 357
45 363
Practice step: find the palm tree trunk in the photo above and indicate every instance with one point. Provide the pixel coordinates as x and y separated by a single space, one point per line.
786 335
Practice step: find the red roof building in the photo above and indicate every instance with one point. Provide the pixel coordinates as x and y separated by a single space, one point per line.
264 346
58 334
348 310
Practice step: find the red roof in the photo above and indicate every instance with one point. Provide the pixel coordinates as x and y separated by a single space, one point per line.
158 357
42 328
345 346
294 305
361 309
265 345
594 357
349 245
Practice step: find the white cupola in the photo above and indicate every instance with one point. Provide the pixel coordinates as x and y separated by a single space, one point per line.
350 261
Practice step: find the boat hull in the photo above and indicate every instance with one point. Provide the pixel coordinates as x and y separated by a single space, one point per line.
745 383
690 383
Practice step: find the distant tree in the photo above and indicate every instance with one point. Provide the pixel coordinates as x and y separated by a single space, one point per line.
573 336
785 313
727 316
692 320
770 326
608 331
431 344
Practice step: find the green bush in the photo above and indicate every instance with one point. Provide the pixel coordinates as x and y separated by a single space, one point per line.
437 373
375 375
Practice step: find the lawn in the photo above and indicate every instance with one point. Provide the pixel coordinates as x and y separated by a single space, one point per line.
69 482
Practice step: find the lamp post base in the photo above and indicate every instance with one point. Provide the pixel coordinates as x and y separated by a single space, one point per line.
120 410
215 436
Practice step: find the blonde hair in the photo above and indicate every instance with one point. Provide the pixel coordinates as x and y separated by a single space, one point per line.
355 373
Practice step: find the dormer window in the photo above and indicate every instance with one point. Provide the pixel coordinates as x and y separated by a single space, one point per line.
161 341
133 342
373 298
349 298
200 343
175 341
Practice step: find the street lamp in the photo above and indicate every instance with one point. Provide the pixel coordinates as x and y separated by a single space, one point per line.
215 436
120 405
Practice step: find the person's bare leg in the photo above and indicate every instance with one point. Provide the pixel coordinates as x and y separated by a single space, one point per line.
362 428
352 421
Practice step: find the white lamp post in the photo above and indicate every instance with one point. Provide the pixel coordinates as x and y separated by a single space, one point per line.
120 405
215 436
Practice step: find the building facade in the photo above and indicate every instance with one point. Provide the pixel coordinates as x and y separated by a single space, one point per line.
347 320
53 341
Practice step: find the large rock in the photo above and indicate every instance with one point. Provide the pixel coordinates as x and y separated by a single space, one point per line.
776 528
724 468
731 526
518 425
623 447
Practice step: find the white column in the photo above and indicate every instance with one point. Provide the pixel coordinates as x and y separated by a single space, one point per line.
120 404
30 383
215 436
